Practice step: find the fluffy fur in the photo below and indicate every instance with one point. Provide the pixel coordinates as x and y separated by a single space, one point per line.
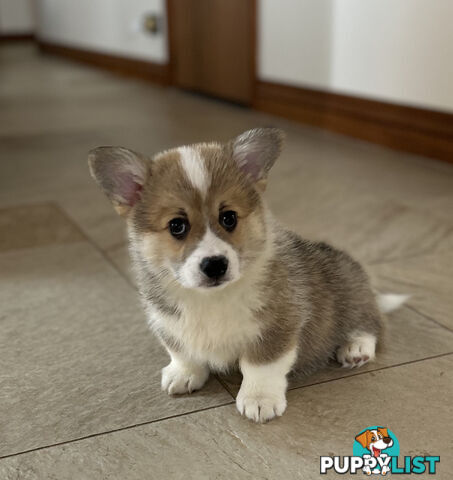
283 303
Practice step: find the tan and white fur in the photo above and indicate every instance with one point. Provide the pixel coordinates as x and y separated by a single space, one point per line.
223 284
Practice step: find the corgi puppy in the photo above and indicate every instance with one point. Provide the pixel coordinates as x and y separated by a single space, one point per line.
222 283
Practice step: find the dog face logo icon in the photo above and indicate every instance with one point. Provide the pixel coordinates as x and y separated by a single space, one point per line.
375 441
376 452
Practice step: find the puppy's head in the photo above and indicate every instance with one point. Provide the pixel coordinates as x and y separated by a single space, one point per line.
194 212
375 440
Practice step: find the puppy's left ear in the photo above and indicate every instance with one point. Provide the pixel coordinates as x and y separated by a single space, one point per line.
363 438
255 151
121 174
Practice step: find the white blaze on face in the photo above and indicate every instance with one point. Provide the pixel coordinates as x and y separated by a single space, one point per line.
379 442
190 275
194 168
375 435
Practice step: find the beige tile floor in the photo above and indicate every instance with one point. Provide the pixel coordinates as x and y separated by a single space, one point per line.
79 373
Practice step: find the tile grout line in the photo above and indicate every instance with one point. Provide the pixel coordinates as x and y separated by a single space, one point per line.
429 318
422 314
114 430
225 386
185 414
94 245
412 256
387 367
116 246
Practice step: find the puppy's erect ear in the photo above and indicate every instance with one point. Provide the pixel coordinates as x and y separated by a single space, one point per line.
255 151
121 174
363 438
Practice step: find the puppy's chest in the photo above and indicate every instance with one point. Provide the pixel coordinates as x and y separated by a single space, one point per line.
212 332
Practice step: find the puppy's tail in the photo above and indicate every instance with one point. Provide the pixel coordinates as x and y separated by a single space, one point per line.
387 302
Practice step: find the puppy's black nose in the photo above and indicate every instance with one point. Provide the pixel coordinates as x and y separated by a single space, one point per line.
214 267
387 440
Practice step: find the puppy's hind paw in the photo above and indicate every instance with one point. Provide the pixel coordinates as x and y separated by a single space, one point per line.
360 349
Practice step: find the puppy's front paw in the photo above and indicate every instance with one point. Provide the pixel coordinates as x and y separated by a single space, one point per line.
178 378
260 406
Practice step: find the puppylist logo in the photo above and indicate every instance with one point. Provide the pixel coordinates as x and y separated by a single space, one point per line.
375 452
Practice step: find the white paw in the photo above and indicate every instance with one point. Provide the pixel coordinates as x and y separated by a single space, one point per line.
358 351
179 378
385 470
260 406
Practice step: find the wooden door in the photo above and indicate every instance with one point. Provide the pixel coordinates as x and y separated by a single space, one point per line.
212 46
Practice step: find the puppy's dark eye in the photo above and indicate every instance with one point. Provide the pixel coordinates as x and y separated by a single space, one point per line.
228 220
179 227
373 439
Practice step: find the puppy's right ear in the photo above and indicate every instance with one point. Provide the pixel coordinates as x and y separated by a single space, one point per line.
121 174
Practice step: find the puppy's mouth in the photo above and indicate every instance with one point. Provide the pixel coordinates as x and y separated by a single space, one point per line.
216 283
375 451
205 284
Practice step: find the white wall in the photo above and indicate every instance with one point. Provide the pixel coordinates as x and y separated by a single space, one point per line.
110 26
16 17
395 50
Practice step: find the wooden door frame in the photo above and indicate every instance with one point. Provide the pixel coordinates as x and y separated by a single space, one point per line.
172 55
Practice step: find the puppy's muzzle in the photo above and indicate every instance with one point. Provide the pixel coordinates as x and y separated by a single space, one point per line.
214 267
